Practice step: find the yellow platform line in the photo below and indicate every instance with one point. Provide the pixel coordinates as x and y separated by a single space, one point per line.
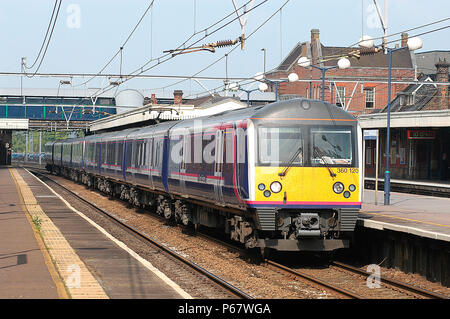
79 281
407 219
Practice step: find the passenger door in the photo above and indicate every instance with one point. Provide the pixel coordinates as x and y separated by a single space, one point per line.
218 167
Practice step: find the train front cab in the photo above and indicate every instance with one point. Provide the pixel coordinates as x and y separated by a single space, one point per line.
306 184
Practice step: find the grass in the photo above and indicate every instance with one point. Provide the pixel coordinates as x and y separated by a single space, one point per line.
37 222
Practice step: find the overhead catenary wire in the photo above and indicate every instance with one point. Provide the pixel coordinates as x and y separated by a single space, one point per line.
48 42
142 70
231 50
151 56
119 51
399 33
132 75
169 56
340 55
45 38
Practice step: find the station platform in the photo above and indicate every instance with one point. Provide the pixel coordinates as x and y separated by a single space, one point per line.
420 187
23 269
48 250
424 216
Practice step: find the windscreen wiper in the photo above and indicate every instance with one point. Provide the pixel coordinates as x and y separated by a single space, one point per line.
291 161
316 153
336 147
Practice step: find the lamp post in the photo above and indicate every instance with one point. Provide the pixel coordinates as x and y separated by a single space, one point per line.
263 49
343 63
412 44
293 77
235 87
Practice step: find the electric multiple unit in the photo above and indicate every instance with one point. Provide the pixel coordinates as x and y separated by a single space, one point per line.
283 176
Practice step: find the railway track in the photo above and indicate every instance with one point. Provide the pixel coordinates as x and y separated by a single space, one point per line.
391 282
231 289
409 290
315 277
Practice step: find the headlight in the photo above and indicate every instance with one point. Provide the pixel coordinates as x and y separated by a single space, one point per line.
275 187
267 193
338 187
346 194
352 188
261 187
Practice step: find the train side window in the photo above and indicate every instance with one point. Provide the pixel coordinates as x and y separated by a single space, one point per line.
219 151
129 153
120 153
144 153
158 154
149 151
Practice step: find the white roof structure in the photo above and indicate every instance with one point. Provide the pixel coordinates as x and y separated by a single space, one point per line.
14 124
439 118
62 92
165 112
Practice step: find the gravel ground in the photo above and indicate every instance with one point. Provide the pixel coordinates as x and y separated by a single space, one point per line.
256 280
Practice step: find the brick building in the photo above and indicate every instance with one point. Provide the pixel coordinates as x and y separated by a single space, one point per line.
356 88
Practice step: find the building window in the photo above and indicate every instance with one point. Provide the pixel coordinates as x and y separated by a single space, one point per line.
317 93
370 97
340 96
410 99
402 100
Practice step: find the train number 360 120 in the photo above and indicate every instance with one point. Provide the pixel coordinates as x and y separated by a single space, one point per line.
346 170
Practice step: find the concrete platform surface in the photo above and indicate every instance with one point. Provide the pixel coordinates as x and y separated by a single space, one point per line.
23 272
424 216
119 273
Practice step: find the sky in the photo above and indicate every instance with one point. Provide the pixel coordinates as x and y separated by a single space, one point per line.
89 32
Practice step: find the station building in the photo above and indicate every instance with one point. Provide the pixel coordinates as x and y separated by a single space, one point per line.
420 127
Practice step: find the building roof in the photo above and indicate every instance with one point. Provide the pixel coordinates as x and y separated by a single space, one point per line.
426 61
400 59
215 101
292 57
423 94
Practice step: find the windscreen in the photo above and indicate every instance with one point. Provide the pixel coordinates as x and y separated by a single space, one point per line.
331 146
280 146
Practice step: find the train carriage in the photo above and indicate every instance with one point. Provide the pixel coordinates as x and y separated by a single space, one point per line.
282 176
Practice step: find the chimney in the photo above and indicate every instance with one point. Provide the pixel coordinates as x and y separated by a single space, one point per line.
315 46
404 39
177 97
153 100
442 76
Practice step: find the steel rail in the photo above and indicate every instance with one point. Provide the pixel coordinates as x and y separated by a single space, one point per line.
236 291
318 281
392 282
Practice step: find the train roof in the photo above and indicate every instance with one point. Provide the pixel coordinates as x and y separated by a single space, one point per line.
303 110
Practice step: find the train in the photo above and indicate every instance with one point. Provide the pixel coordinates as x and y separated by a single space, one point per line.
283 176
